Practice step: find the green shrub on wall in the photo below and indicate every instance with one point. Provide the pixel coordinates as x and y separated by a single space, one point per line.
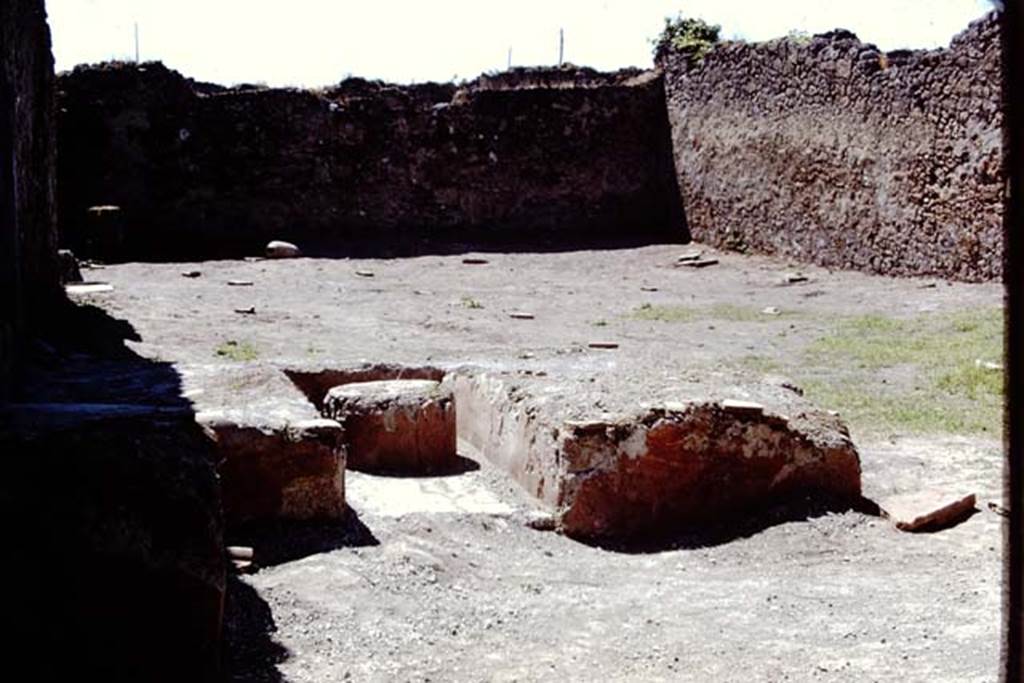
695 37
799 37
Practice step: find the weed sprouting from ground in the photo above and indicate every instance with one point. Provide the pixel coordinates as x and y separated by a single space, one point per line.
930 374
761 364
725 312
926 374
237 351
666 314
949 342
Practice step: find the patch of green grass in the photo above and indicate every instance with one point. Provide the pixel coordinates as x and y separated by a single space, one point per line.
739 314
971 381
470 302
726 312
937 384
937 342
665 314
237 351
915 411
871 342
764 365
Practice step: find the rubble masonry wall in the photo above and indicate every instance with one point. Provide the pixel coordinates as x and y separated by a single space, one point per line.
526 158
830 151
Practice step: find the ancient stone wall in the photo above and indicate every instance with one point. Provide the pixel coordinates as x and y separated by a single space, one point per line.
828 150
28 266
200 171
112 510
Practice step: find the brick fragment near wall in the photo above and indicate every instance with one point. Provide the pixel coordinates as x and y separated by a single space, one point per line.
833 152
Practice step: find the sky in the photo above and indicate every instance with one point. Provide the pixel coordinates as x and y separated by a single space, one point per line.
320 42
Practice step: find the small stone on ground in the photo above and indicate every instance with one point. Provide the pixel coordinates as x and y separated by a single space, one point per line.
699 263
742 407
690 256
89 288
281 249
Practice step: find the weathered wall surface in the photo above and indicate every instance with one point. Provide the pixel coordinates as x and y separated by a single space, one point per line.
28 266
832 152
111 511
201 171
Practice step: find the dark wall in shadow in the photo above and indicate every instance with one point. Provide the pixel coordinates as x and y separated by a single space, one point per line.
156 167
668 173
111 516
29 282
113 566
1013 233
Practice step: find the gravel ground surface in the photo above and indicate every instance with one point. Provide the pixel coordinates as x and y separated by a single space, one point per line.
444 579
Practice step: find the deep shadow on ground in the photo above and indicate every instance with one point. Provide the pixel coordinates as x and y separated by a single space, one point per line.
111 508
742 526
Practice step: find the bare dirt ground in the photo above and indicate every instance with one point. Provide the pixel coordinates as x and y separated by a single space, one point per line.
442 579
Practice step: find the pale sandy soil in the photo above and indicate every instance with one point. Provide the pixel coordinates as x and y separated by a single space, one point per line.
441 579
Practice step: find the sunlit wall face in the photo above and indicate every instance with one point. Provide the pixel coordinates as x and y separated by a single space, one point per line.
316 42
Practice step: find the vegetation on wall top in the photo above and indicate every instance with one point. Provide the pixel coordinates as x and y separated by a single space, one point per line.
694 37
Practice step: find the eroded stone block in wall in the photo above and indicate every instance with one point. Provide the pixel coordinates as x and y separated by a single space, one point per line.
402 426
